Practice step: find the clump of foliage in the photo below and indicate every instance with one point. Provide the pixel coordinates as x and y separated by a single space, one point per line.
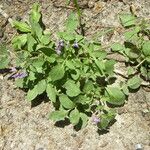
4 56
74 73
136 50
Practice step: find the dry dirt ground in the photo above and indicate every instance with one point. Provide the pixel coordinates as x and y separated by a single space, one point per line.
23 127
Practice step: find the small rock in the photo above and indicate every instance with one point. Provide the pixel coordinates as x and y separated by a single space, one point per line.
91 4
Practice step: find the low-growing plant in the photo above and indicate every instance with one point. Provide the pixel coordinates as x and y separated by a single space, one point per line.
74 73
4 56
136 50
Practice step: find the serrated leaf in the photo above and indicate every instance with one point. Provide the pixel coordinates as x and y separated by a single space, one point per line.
22 26
88 86
117 47
109 66
70 64
41 86
35 13
72 88
19 41
66 102
51 92
99 54
127 20
115 96
32 94
58 115
30 42
19 83
45 39
37 30
146 48
74 116
134 82
105 120
57 72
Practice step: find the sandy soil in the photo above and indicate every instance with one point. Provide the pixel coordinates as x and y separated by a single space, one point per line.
23 127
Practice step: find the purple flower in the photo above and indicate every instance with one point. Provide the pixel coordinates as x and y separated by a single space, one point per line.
13 69
75 44
59 47
19 75
95 119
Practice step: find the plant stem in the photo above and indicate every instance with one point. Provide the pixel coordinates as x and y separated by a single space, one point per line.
79 16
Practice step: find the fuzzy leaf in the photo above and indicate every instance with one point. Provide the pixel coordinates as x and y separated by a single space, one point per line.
115 96
22 26
146 48
57 73
127 20
32 94
72 88
41 86
84 120
66 102
74 116
117 47
58 115
51 92
134 82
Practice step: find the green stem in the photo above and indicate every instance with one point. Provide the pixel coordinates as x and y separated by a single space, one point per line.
79 16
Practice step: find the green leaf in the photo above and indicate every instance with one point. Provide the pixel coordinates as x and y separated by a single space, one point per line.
117 47
74 116
19 41
134 82
115 96
70 64
132 35
22 26
130 70
100 65
30 42
58 115
35 13
37 30
99 54
41 86
84 120
19 83
66 102
72 88
57 72
45 39
127 20
105 120
32 94
67 36
146 48
51 92
109 66
72 22
125 89
4 61
88 87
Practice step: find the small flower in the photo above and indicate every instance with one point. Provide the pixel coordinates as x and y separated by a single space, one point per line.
75 44
19 75
95 119
13 69
59 47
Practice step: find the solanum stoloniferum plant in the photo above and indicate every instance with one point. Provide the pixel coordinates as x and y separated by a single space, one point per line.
73 72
